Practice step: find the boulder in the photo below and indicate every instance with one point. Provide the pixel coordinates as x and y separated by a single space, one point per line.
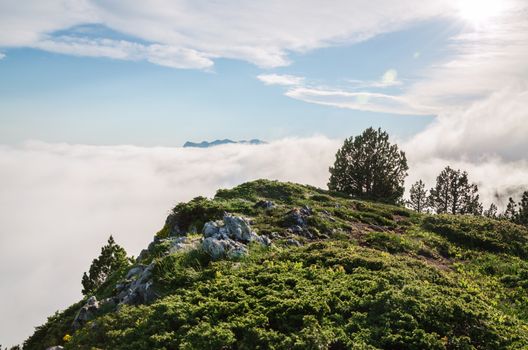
86 313
238 228
211 229
139 289
58 347
221 248
228 238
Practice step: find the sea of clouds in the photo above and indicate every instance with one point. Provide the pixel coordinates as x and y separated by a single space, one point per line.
60 202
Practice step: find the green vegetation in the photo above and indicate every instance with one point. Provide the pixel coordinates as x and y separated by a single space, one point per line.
112 258
369 166
367 276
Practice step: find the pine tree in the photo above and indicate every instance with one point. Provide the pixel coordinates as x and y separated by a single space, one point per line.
112 258
491 212
454 194
522 214
511 210
418 196
369 166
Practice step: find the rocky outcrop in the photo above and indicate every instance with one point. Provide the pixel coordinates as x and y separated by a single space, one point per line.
173 244
58 347
89 310
229 237
297 221
138 286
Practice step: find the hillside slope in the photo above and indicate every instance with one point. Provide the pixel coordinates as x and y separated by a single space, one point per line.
339 274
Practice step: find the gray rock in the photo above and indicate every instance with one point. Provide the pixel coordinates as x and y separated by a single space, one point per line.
58 347
140 289
294 242
214 247
297 217
228 238
221 248
86 313
265 204
238 228
264 240
210 229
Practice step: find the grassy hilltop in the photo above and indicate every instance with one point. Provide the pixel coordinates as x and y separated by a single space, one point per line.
359 275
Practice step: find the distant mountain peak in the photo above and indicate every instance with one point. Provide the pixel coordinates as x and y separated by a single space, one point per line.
206 144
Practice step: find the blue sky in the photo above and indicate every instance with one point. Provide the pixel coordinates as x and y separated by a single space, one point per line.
98 100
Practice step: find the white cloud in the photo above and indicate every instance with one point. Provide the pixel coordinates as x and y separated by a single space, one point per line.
263 33
280 79
59 203
365 101
495 126
2 55
162 55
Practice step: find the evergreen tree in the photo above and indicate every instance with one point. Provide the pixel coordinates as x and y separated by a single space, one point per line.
522 214
112 258
491 212
454 194
511 210
418 196
369 166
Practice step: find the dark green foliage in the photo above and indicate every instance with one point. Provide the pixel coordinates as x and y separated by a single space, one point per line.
480 233
511 210
369 166
191 216
313 298
112 258
522 215
374 276
517 212
265 189
418 197
454 194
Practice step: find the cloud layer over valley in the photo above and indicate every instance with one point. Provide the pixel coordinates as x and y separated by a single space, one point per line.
59 203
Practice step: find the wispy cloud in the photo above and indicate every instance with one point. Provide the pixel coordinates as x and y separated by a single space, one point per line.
388 79
2 55
163 55
263 33
280 79
364 101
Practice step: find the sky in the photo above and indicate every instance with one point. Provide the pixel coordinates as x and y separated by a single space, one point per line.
97 97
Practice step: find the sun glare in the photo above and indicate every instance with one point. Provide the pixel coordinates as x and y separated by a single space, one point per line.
479 12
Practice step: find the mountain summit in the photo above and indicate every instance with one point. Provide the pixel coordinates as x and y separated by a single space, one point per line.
271 265
206 144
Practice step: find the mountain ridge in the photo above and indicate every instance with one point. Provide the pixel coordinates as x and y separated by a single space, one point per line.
293 266
206 144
